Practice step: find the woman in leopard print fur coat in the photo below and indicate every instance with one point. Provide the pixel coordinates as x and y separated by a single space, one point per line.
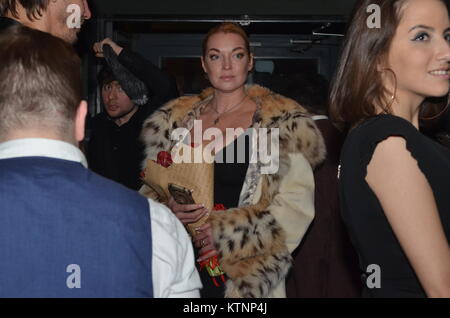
253 240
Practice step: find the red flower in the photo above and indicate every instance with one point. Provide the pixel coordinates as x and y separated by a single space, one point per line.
164 159
219 207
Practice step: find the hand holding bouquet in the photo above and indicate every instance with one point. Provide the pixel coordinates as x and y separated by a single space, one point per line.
198 177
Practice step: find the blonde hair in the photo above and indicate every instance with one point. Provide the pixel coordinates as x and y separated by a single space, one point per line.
40 81
226 27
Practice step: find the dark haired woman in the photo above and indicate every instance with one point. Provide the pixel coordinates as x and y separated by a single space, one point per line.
267 214
394 181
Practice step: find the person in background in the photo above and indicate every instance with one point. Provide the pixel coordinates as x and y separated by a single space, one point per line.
394 181
325 263
44 15
132 88
64 230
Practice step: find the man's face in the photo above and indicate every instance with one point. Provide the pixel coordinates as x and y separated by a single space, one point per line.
117 103
65 18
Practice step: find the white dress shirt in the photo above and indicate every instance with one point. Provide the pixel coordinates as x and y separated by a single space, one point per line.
173 265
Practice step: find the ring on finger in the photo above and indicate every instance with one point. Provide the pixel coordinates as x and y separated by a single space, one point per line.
202 243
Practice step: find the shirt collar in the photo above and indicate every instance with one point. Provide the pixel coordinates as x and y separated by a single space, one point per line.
36 147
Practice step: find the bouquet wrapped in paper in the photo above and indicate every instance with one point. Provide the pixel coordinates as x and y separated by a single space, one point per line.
198 177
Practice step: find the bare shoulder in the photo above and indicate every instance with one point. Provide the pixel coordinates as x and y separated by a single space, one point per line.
391 159
396 178
391 152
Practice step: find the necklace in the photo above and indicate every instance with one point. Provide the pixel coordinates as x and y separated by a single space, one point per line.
227 111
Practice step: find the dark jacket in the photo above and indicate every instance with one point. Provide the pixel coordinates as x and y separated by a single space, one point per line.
116 152
6 23
325 263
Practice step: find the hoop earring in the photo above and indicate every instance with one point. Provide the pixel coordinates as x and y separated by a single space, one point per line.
394 96
440 113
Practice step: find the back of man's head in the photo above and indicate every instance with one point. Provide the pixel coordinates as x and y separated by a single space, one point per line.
40 83
33 8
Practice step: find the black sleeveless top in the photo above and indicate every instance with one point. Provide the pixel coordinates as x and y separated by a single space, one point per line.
229 177
230 169
368 226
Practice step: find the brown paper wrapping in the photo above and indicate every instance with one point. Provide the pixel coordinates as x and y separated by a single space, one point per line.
198 177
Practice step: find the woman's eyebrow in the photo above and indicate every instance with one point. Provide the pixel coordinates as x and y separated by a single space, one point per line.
235 49
421 26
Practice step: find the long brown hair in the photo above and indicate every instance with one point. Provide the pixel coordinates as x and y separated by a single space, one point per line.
33 8
358 86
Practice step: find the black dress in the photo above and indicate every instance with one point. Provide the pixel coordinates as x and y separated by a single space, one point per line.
229 178
368 226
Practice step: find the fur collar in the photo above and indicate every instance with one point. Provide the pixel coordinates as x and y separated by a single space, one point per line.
274 111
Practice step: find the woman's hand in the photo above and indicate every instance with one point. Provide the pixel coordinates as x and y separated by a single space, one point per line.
187 213
205 242
98 47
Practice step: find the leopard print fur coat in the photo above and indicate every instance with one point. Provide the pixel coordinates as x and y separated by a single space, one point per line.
256 238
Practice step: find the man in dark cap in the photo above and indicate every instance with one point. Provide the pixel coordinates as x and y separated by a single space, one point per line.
132 88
